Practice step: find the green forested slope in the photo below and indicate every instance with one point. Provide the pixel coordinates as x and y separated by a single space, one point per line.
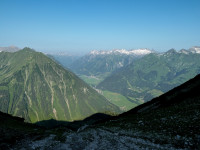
100 65
36 88
152 75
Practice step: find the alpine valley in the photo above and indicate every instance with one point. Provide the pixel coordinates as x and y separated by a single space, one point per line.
36 88
97 65
129 78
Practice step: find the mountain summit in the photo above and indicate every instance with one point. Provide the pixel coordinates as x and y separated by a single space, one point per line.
195 49
36 88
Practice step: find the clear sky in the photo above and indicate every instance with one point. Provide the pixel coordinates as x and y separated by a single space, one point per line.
85 25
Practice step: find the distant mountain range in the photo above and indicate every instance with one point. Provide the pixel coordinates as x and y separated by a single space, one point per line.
9 49
102 63
128 78
153 74
35 87
63 58
136 52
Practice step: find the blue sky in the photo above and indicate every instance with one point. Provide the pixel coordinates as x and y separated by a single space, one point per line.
80 26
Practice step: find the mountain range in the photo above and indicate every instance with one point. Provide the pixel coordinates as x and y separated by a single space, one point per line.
35 87
128 78
102 63
153 75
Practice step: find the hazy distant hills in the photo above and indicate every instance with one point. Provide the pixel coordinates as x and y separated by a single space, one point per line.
9 49
36 88
63 58
102 63
153 74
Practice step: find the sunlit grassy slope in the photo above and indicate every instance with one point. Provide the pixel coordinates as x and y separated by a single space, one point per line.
36 88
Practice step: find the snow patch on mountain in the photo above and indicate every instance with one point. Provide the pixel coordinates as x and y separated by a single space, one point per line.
184 51
142 52
138 52
195 49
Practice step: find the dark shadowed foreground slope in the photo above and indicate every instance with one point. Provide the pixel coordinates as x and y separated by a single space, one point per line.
170 121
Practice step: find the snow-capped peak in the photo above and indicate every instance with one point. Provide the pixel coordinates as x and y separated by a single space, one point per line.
141 51
184 51
195 49
138 52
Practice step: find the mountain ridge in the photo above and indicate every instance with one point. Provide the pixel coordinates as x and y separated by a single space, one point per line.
36 88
